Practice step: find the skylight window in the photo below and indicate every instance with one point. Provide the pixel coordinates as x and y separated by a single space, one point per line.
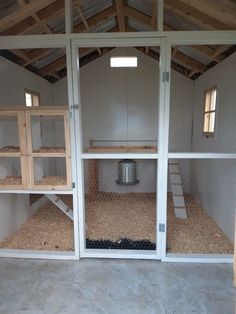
123 62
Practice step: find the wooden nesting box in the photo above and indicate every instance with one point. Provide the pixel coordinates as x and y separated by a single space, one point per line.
35 152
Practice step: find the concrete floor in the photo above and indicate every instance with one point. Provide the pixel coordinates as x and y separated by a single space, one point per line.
114 286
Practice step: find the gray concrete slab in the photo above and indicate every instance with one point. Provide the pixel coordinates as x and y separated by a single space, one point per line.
114 286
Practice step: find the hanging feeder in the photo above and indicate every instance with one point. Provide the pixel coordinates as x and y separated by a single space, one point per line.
127 172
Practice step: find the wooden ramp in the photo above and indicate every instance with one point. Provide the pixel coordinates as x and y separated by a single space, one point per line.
177 189
60 204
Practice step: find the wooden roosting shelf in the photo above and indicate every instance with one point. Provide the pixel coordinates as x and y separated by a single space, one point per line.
17 148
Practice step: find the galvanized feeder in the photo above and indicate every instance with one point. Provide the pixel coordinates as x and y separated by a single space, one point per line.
127 172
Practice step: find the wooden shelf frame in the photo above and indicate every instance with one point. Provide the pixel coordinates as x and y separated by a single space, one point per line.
22 153
26 153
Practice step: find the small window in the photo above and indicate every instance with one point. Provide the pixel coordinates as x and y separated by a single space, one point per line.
31 98
123 62
210 112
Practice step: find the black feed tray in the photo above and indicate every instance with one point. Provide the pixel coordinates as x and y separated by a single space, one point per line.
123 244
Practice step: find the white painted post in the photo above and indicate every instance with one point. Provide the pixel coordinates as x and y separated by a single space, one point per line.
160 15
73 147
68 17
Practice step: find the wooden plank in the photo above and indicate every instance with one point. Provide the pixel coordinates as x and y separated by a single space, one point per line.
192 14
68 151
153 22
37 54
137 15
57 64
49 110
216 10
35 16
22 13
235 254
122 149
120 14
52 10
97 19
23 148
199 67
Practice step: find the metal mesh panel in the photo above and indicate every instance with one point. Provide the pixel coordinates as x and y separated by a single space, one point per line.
9 135
119 107
39 226
48 133
120 210
49 171
10 171
204 190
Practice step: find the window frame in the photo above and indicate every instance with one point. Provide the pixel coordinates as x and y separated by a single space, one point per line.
205 112
32 93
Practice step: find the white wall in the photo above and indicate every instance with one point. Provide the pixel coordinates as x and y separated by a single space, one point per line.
217 179
14 210
122 103
224 76
14 79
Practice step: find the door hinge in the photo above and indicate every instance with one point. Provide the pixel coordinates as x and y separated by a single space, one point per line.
73 185
165 76
75 107
162 227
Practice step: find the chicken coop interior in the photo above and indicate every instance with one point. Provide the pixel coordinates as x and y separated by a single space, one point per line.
119 115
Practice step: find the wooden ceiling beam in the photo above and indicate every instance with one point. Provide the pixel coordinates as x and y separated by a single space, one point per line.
22 13
22 54
35 16
120 14
194 16
224 12
52 10
153 21
84 20
189 62
134 14
219 50
145 19
97 19
55 65
37 54
206 51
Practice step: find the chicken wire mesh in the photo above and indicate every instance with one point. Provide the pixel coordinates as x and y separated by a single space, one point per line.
50 171
116 104
201 206
9 134
48 133
40 225
10 171
120 210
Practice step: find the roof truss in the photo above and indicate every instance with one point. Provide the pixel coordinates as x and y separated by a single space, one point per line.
36 16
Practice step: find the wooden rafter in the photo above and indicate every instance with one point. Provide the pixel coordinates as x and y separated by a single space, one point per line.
190 62
22 13
36 17
145 19
120 14
216 10
37 54
97 19
55 65
153 21
35 14
84 20
194 15
52 10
